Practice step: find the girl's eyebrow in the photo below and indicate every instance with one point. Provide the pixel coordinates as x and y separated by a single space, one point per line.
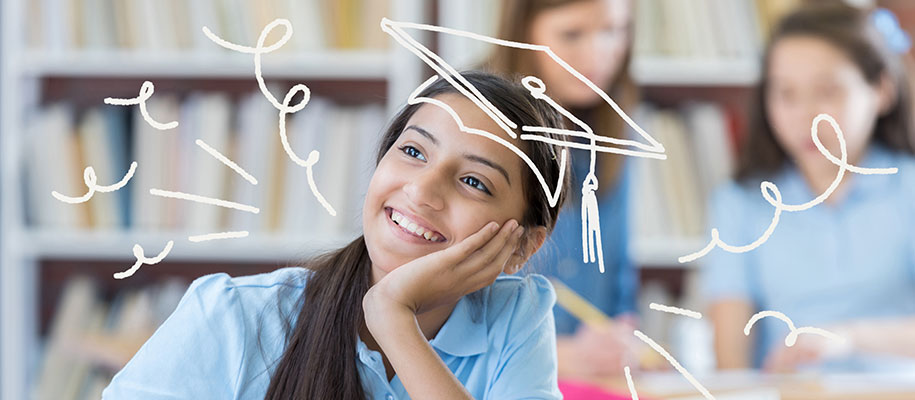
424 133
475 158
490 164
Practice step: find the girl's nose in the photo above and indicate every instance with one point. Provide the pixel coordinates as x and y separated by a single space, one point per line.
425 190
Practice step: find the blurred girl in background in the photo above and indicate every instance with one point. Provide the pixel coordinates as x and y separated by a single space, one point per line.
846 265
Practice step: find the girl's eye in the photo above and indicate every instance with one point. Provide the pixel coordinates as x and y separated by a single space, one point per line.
476 184
571 35
412 152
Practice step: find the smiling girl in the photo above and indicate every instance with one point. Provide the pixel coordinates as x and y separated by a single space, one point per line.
414 308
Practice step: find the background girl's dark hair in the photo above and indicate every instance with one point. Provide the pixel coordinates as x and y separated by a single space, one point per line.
319 361
851 31
515 25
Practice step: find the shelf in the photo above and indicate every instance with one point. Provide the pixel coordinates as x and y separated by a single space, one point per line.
662 71
118 245
350 64
658 252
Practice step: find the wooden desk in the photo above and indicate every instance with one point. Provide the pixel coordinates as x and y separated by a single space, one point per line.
752 385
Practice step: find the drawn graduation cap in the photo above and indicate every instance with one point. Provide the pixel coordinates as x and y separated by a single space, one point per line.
591 239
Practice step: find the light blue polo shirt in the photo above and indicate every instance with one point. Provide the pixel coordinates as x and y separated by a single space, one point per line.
501 348
854 259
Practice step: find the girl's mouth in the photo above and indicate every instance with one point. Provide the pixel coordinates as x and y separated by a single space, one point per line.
413 228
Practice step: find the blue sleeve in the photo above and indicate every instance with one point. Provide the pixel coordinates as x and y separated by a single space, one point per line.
626 279
195 354
527 367
725 274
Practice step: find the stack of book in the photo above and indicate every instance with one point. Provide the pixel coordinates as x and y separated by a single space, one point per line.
90 339
63 142
669 195
175 25
705 29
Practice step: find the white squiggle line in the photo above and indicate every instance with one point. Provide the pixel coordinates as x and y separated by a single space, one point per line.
91 182
142 259
675 364
146 91
220 235
206 200
772 195
225 160
284 108
791 339
675 310
632 392
585 146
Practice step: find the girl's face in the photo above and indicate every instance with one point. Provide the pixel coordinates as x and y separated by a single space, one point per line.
808 76
592 36
437 185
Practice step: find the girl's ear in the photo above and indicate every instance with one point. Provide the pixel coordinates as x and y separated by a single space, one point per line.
887 94
531 241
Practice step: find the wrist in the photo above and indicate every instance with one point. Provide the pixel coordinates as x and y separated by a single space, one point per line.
848 334
382 314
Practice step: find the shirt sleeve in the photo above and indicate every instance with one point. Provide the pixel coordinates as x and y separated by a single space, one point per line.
725 274
195 354
527 367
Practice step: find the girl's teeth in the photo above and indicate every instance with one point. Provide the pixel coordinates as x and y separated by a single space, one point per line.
402 220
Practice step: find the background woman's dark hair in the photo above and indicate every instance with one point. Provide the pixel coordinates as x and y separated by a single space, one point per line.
319 361
515 25
851 31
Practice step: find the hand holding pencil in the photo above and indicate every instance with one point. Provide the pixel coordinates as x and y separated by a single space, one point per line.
602 345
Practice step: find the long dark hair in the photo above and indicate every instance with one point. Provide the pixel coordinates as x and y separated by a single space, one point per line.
319 361
515 24
851 31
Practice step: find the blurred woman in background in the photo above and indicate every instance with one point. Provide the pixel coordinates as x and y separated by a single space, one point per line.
595 38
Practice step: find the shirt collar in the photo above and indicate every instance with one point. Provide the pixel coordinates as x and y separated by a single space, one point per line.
795 190
462 335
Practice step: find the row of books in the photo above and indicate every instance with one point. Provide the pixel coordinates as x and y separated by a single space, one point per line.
669 196
63 142
175 25
90 339
705 29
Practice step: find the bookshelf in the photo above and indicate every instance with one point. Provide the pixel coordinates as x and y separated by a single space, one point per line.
32 77
341 64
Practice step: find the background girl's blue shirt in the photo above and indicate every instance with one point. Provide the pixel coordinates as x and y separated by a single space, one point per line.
227 334
614 291
834 262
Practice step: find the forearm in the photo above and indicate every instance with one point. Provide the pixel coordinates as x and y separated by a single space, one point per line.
887 336
418 366
732 347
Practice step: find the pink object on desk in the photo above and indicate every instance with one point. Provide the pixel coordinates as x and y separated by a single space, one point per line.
572 390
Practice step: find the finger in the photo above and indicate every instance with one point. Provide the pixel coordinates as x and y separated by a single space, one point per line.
484 255
472 243
491 269
483 268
